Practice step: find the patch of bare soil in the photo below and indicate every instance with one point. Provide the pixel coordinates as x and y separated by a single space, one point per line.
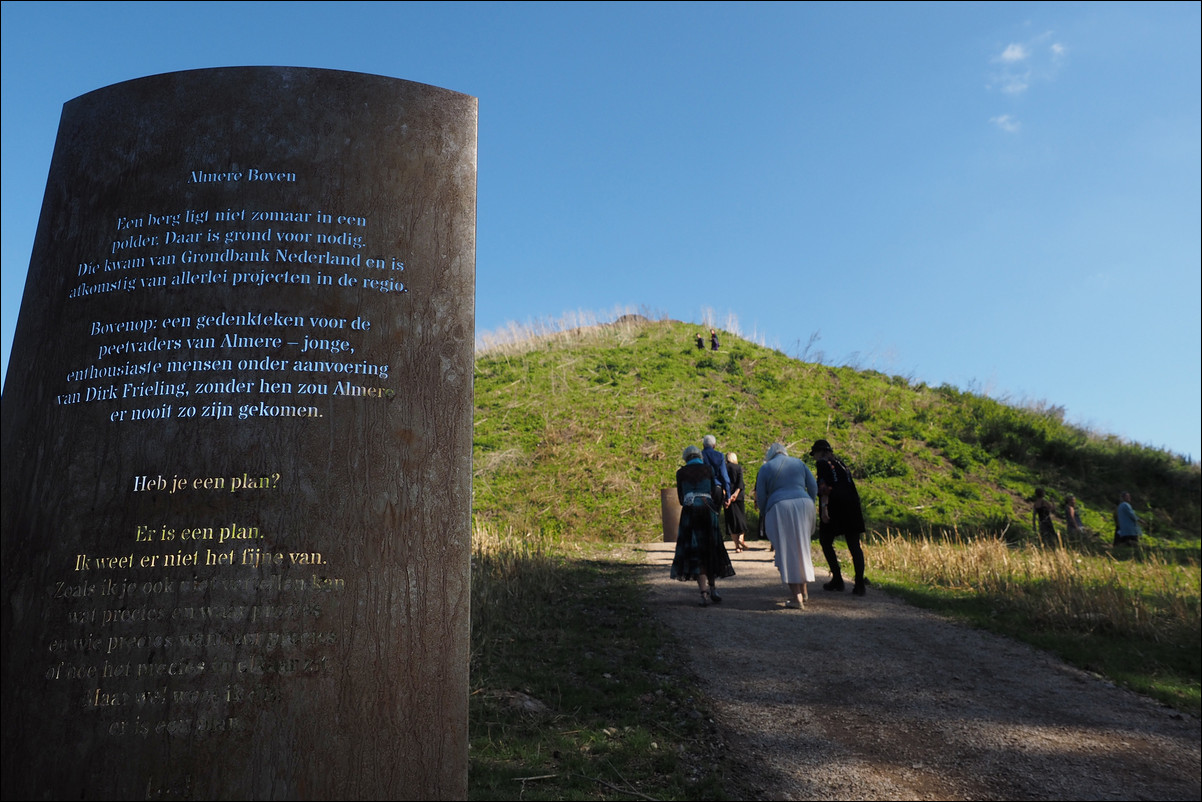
871 698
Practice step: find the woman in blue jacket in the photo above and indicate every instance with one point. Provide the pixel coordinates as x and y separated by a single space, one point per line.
784 492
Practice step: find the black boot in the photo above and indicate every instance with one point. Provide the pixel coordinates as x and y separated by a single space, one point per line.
860 586
836 584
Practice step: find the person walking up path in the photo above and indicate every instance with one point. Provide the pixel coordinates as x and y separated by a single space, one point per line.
784 492
700 555
840 514
716 461
736 509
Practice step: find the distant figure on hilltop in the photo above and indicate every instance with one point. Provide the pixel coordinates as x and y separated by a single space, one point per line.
1126 522
713 340
700 341
1072 518
841 515
1041 517
700 554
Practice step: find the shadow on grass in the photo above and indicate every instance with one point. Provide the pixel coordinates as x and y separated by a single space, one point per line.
577 690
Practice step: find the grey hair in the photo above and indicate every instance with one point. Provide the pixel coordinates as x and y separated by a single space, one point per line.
775 449
709 441
690 452
732 458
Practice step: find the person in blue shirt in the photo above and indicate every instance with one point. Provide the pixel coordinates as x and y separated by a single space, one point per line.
1126 522
717 462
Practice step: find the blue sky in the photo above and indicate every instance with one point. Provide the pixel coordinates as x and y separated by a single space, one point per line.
1003 197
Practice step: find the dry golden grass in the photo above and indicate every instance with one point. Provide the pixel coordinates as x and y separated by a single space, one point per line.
515 338
1059 588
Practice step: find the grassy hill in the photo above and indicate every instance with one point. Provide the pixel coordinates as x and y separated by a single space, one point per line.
578 692
577 432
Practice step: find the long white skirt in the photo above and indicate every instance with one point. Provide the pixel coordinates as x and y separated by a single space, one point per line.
789 525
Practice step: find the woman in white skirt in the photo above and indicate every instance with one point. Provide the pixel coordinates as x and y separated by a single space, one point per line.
785 490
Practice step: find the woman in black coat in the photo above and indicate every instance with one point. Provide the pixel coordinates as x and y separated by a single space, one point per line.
700 553
736 513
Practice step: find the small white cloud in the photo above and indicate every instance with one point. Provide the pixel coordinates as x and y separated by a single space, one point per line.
1014 52
1022 65
1006 123
1016 84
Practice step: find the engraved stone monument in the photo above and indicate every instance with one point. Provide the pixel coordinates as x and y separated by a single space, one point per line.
237 445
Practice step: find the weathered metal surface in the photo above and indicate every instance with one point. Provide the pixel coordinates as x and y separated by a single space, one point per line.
237 444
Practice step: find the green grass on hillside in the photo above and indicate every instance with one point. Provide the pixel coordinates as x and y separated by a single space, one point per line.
578 694
578 433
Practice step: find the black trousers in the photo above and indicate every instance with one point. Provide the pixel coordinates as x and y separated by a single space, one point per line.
853 546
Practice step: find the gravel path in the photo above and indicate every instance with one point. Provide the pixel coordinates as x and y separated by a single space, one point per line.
871 698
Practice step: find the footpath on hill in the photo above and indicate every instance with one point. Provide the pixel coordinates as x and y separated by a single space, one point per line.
872 698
